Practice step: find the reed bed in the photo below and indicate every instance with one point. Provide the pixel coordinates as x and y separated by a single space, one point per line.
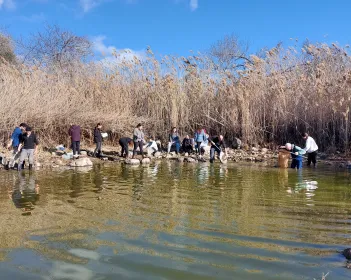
282 94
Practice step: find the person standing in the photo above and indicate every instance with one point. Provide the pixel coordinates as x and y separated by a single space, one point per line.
217 145
125 142
75 133
98 140
173 139
30 143
138 139
15 142
200 136
311 149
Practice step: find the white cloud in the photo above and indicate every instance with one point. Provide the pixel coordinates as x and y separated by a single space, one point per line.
7 4
87 5
110 56
194 4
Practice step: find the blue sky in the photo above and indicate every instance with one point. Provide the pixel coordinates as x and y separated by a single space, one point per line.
178 26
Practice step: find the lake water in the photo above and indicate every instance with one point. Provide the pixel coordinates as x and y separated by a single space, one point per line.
175 221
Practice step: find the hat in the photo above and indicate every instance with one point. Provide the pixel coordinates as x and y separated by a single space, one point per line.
28 128
288 146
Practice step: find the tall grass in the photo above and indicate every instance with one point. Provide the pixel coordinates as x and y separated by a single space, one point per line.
282 94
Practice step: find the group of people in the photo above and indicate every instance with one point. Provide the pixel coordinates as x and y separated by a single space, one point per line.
24 144
311 149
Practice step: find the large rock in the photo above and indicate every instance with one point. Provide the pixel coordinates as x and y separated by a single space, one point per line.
146 161
81 162
132 161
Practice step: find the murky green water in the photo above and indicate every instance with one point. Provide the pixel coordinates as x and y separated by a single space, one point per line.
174 221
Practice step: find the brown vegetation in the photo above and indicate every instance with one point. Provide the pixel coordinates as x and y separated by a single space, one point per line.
274 98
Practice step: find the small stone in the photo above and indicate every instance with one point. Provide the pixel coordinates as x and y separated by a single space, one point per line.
37 164
189 159
132 161
158 154
264 150
254 149
146 161
83 153
180 159
81 162
99 198
186 154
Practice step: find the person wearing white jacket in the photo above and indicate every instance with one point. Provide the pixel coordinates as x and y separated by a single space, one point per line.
311 149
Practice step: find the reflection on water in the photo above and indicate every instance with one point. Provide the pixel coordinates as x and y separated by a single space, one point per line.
172 220
25 193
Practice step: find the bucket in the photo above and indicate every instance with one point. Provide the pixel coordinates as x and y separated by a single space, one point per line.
283 158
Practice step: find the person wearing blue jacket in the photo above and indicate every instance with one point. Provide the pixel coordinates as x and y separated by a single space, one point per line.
15 142
296 155
200 136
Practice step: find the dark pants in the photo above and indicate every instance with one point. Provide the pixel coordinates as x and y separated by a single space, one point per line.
98 149
312 157
187 149
213 152
124 151
198 147
140 145
76 147
296 163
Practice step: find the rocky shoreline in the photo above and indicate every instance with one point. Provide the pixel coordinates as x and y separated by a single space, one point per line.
52 158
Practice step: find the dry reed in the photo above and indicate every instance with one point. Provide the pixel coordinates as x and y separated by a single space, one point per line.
273 100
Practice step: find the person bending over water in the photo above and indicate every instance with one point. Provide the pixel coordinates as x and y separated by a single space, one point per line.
124 143
296 154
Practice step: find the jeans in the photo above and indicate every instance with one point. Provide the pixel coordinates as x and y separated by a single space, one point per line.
98 149
76 147
296 163
177 146
140 145
312 157
212 153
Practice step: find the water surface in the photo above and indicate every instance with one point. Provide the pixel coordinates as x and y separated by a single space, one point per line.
174 221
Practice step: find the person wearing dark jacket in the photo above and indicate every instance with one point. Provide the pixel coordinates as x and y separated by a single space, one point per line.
187 145
74 132
29 143
217 145
98 140
125 142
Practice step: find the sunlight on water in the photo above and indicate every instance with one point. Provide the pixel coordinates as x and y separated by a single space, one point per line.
174 221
